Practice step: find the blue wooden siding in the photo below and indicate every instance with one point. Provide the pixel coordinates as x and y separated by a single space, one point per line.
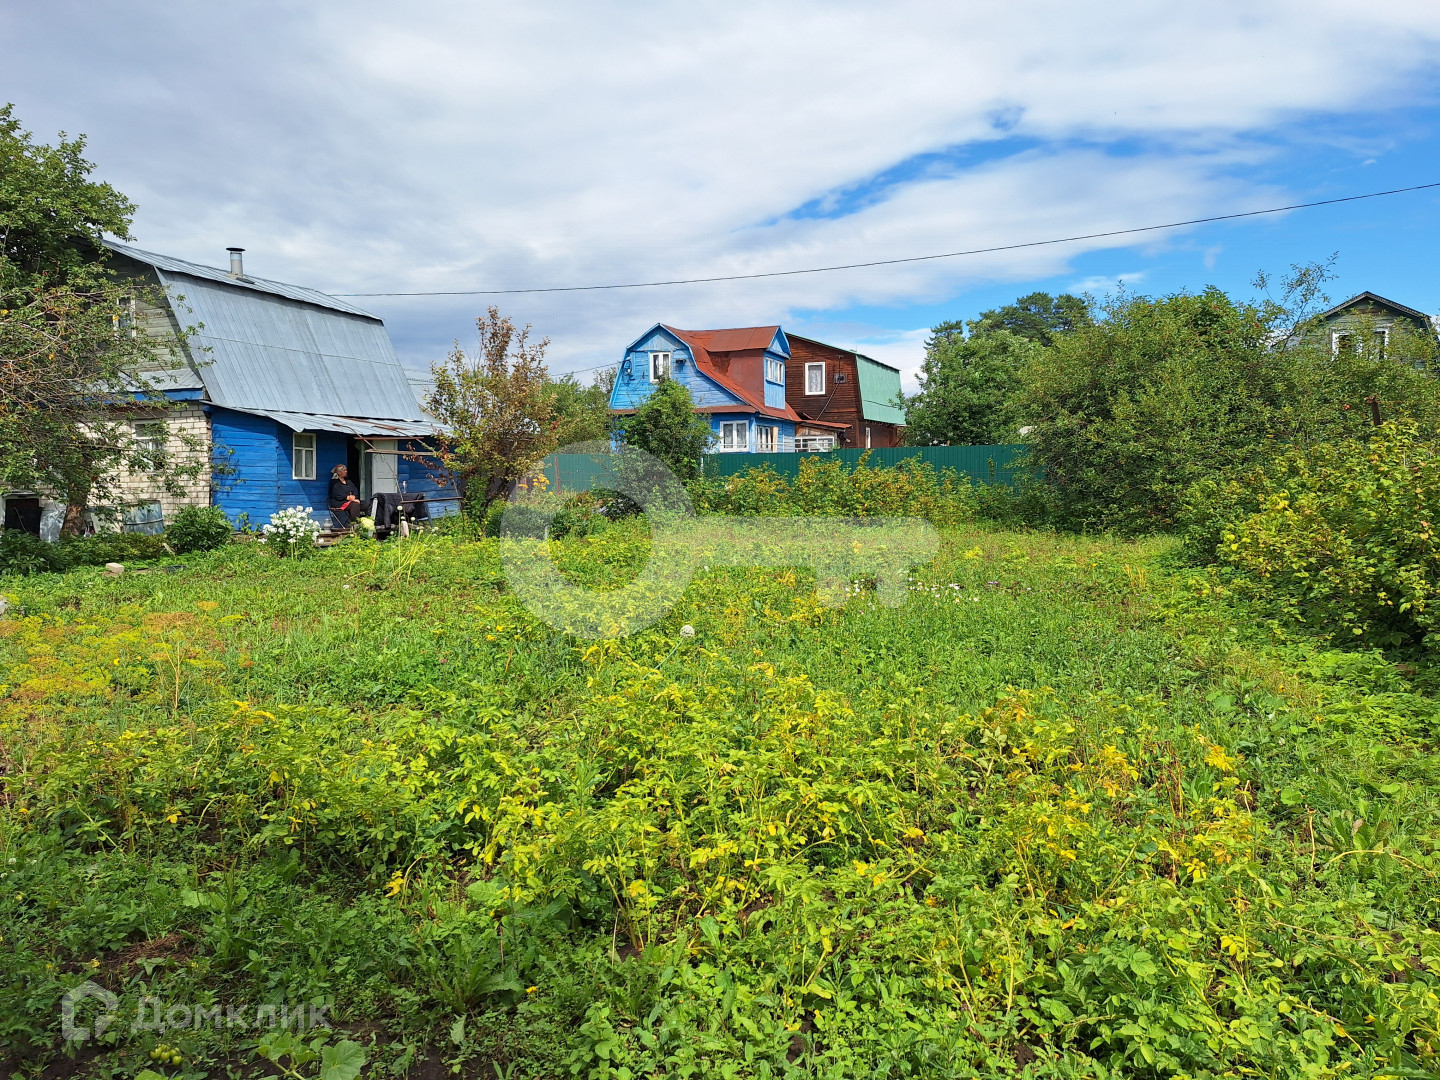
331 449
775 392
246 457
633 385
785 439
255 459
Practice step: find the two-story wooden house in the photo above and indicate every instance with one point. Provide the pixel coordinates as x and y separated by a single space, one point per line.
843 398
1382 323
735 377
766 391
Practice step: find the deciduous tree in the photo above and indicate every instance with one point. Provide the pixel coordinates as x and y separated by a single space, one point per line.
73 367
498 407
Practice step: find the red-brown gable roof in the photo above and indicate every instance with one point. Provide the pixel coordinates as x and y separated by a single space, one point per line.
703 342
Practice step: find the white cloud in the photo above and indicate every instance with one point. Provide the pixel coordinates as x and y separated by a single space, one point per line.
1101 284
359 147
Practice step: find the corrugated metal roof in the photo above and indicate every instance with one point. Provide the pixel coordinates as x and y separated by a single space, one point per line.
879 389
268 346
249 283
348 425
735 339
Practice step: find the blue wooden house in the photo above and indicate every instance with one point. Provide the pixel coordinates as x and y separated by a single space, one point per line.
282 383
736 377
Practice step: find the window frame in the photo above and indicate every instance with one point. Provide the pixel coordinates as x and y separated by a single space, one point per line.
152 446
778 369
740 446
767 434
297 452
812 366
662 360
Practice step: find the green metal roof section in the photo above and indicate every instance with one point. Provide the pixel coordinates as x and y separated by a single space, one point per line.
879 390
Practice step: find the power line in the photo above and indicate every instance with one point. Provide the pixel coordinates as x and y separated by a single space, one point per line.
912 258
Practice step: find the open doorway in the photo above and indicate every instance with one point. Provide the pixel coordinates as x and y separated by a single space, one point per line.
379 467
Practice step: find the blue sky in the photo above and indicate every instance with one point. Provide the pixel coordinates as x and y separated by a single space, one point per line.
359 147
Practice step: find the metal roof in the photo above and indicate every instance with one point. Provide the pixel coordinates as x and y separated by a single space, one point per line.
348 425
263 346
248 282
1376 298
879 390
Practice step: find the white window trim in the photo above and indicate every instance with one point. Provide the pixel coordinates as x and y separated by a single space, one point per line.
779 366
767 434
659 366
301 453
150 436
809 368
744 427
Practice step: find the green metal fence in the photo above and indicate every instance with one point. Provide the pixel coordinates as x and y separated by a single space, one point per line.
983 464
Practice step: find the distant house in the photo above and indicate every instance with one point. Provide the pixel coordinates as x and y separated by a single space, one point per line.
766 391
276 384
1383 320
843 398
736 378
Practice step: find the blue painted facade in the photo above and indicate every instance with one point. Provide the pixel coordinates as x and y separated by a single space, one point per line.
255 469
723 404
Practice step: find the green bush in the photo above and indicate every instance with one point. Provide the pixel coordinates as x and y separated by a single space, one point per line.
199 528
1160 394
1340 537
826 488
106 547
22 553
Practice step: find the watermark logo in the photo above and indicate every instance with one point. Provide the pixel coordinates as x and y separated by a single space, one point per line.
839 550
154 1014
73 1031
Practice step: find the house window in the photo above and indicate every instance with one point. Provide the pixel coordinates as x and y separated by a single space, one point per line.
867 438
766 439
659 366
735 435
774 370
302 460
814 444
150 440
145 518
1346 341
814 378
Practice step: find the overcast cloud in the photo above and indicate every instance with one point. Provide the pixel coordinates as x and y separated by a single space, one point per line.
360 147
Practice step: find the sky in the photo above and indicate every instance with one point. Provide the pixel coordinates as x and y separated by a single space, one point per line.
361 147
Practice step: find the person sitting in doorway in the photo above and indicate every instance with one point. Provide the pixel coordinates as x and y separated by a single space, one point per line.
345 501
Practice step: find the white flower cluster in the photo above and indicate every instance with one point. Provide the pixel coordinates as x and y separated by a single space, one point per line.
291 527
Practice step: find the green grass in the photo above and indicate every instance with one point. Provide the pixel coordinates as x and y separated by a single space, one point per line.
1059 810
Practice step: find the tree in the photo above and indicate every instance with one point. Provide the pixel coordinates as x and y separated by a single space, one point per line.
970 387
1039 317
1157 394
667 426
498 409
583 412
73 367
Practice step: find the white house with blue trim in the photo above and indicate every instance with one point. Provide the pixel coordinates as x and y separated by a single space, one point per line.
736 377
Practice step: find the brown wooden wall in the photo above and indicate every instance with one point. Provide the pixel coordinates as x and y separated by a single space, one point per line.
841 402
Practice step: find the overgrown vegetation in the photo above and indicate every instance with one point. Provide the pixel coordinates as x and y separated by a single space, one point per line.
1056 811
74 371
1339 537
828 488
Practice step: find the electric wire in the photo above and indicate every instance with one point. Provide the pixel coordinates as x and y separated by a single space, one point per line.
913 258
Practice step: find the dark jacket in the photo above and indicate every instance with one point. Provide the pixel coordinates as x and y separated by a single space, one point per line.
339 489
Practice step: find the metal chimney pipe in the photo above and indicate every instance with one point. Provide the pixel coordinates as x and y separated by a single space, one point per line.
237 264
